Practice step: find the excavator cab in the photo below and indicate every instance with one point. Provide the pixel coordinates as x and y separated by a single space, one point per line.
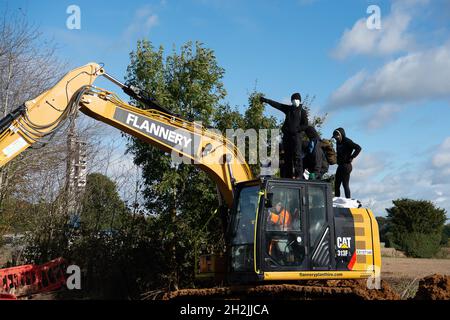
284 229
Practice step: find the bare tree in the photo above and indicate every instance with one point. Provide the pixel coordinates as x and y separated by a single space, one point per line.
28 66
107 155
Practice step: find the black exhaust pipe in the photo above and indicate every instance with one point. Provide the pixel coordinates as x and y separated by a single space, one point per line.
9 118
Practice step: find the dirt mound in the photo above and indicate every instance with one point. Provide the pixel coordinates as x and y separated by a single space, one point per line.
328 290
360 290
384 293
435 287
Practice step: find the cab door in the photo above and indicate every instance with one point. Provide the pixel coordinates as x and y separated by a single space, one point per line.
320 229
283 244
295 227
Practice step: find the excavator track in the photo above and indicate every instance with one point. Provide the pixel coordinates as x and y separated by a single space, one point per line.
310 290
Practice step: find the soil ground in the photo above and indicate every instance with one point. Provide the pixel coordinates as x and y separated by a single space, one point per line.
413 268
404 274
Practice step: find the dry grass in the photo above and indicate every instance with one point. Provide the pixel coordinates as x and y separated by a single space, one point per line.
403 274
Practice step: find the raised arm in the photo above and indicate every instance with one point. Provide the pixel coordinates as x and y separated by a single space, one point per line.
280 106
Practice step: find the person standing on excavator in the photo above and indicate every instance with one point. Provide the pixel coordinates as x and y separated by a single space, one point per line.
315 160
295 123
347 150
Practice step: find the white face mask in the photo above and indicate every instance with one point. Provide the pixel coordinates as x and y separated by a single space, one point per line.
296 103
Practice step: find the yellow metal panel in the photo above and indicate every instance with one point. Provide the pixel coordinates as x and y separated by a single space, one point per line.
310 275
361 259
376 244
363 239
368 256
44 112
11 145
102 106
255 242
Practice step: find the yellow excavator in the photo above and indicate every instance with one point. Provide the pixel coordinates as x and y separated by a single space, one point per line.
277 230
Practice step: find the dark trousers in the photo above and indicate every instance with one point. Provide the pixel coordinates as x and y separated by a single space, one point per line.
292 146
343 177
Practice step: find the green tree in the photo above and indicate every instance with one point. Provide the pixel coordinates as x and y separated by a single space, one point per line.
446 235
317 120
383 227
416 227
47 232
182 198
253 118
101 206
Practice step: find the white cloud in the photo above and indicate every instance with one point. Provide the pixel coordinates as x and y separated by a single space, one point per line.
411 78
383 114
144 20
367 166
441 164
442 157
418 76
376 191
378 194
440 200
391 38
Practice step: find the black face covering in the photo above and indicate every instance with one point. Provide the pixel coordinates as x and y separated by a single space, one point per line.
339 132
337 135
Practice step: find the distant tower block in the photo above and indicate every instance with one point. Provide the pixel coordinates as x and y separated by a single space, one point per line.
76 169
80 165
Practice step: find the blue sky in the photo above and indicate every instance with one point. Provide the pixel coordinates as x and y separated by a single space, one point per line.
390 88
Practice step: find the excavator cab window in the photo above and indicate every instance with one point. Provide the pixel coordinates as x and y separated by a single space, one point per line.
319 227
283 232
243 228
317 213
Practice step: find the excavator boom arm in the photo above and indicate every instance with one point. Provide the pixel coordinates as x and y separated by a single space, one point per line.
186 141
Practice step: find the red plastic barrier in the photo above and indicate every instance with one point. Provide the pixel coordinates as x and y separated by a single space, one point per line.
31 279
7 296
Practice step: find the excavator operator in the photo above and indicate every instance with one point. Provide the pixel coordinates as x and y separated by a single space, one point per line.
280 218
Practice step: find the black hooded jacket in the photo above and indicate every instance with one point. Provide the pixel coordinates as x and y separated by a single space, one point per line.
315 160
347 150
296 119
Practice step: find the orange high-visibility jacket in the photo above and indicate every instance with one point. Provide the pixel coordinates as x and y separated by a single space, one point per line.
283 219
